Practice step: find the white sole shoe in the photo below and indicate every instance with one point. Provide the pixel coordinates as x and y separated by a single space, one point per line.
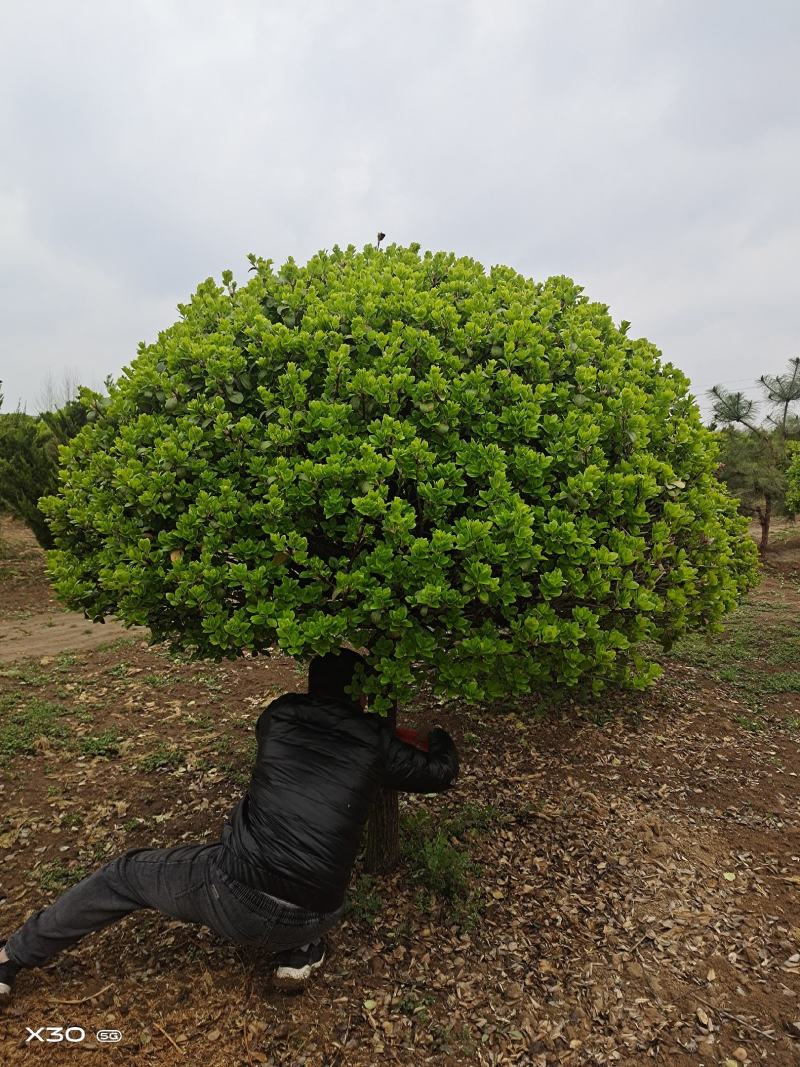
289 977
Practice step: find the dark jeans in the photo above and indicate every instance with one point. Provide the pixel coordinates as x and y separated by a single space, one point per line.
183 882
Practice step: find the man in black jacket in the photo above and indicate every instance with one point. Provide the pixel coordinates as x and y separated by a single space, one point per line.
278 876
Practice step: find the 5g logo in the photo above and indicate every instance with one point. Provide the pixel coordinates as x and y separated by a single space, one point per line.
109 1035
72 1034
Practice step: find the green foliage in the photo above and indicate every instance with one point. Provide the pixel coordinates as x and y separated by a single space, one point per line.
364 902
442 869
439 859
478 477
29 461
792 502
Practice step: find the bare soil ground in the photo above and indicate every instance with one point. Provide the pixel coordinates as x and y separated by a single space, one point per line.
32 622
635 862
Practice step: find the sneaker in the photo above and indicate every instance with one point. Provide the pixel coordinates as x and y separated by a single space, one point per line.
296 965
8 972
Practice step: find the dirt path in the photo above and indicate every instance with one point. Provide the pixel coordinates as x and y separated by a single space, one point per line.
32 622
50 633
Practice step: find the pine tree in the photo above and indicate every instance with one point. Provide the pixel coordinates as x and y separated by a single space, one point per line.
756 455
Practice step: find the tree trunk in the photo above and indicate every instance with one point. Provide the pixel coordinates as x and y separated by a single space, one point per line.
383 826
764 518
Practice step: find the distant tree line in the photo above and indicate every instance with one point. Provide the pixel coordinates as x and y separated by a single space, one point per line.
760 457
29 459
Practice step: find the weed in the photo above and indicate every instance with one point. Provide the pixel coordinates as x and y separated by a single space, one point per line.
21 728
163 757
56 877
416 1002
755 726
472 818
157 681
201 719
597 715
211 681
105 744
71 820
27 674
443 872
436 866
364 902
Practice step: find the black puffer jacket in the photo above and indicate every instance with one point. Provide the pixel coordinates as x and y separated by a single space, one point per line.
296 832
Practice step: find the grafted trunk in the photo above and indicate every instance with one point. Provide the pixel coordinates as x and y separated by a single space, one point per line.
382 852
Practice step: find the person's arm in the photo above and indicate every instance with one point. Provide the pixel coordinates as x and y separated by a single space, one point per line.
410 769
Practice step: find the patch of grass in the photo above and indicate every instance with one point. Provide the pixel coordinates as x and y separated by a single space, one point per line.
71 819
749 723
56 877
211 681
105 744
364 902
27 674
201 719
238 774
163 758
157 681
117 643
472 818
759 640
20 727
781 682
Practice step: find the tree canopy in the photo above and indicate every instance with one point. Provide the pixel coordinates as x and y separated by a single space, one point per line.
479 478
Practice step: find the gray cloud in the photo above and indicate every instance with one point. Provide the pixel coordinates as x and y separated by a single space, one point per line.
650 150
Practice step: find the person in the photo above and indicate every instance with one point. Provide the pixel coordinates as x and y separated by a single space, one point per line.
278 875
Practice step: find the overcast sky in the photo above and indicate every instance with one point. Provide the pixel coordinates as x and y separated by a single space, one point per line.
650 150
